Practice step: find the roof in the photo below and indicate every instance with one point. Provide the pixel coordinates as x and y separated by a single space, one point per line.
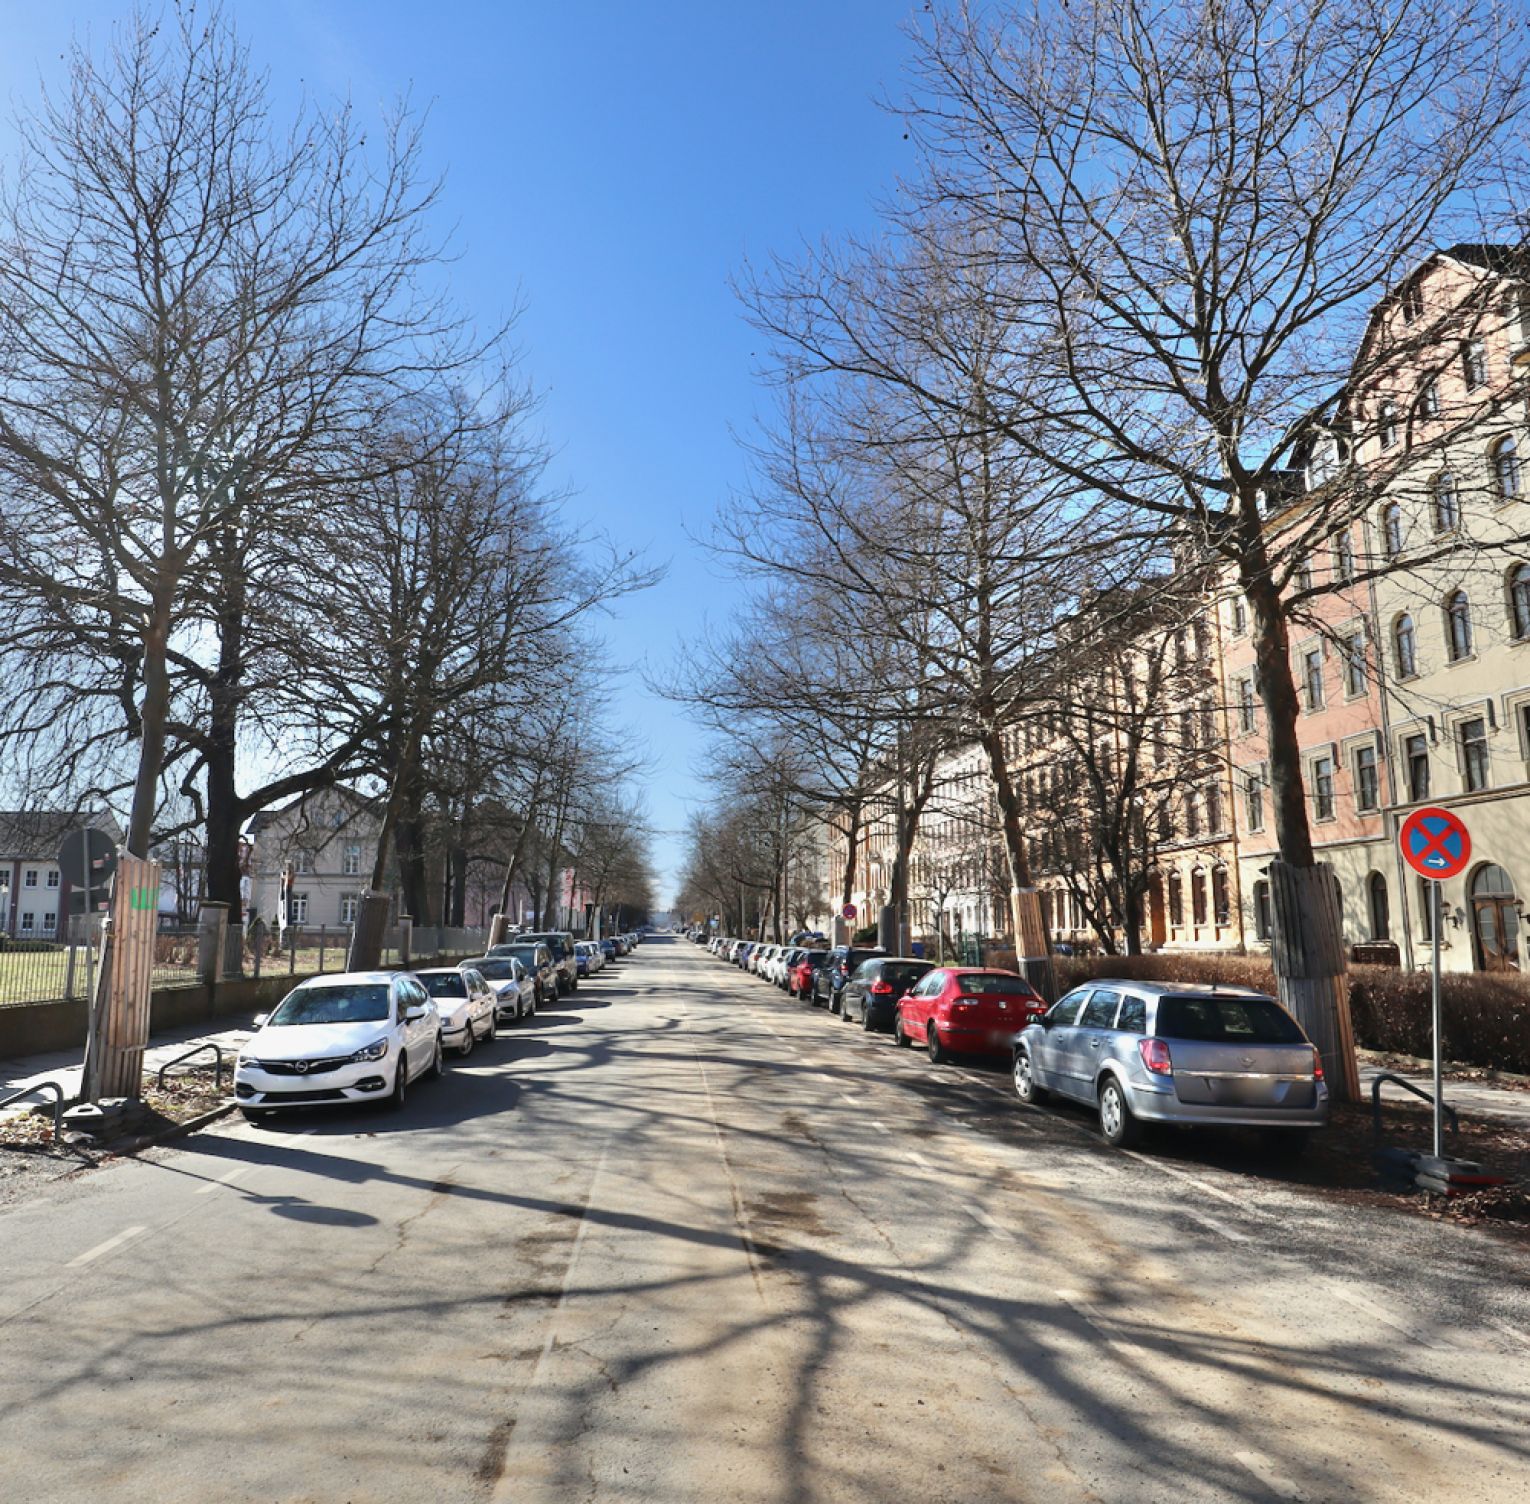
333 978
1179 989
37 832
262 818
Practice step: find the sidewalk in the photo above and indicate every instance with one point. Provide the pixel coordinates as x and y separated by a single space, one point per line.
64 1066
1479 1099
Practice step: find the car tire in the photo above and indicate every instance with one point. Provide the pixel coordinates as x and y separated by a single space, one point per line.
492 1032
469 1039
939 1054
400 1085
866 1024
1025 1084
1119 1128
899 1037
438 1062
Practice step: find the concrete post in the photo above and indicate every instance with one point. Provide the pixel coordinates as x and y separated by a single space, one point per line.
212 926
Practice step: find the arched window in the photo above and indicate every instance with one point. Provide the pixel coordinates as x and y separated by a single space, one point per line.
1447 504
1176 899
1221 904
1406 644
1198 895
1392 529
1519 601
1458 626
1380 906
1506 478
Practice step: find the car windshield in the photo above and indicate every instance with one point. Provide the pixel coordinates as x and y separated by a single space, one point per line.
346 1003
992 984
1226 1020
443 983
526 955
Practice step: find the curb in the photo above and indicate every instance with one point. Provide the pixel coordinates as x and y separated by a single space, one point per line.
175 1131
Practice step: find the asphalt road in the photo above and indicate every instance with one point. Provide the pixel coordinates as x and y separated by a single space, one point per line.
681 1239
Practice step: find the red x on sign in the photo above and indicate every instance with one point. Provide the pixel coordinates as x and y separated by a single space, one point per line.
1435 844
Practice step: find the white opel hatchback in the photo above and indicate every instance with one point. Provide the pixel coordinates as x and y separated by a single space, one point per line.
357 1036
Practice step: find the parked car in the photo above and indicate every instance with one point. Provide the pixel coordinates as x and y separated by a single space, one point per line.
354 1036
515 992
873 992
465 1002
799 981
538 961
967 1009
1157 1052
783 972
584 961
561 944
607 949
835 972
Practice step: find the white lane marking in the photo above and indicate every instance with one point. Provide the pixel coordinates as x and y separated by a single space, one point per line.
919 1159
1510 1331
1381 1314
849 1097
92 1254
228 1179
1263 1469
879 1124
981 1217
1100 1323
1221 1229
568 1273
1197 1182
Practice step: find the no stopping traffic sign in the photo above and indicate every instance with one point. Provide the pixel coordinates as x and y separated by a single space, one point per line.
1435 844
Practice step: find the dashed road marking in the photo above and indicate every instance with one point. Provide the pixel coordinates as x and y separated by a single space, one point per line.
919 1159
1263 1469
981 1217
1197 1182
91 1254
1221 1229
1100 1323
228 1179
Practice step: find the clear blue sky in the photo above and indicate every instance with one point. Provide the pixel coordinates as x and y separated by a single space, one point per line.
610 165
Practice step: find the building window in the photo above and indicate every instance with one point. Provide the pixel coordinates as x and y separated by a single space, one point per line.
297 912
301 861
1506 480
1406 643
1312 678
1304 580
50 923
1213 808
349 904
53 878
1446 503
28 921
1413 302
29 878
1176 900
1221 907
1474 753
1253 801
1322 788
1519 601
1240 618
1473 364
1426 908
1198 896
1392 529
1388 424
1367 780
1416 760
1263 925
1458 626
352 862
1187 729
1354 664
1192 814
1428 404
1381 908
1344 556
1247 715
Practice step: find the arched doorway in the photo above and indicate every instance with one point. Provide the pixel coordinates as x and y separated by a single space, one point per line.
1495 919
1380 907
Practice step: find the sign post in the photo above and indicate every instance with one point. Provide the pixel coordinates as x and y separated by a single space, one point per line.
87 859
1437 846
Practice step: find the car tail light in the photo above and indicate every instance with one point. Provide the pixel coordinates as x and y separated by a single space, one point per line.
1317 1064
882 989
1155 1056
964 1002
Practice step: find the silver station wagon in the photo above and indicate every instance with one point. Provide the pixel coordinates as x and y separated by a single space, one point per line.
1154 1052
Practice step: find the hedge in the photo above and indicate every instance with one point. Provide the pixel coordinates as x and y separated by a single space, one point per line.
1487 1017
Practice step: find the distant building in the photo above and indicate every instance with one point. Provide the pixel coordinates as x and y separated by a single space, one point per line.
34 897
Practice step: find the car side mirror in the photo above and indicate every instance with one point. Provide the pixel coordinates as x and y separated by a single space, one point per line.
410 1014
260 1020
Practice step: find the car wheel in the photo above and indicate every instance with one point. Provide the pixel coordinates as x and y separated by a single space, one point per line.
834 1002
1120 1129
1025 1080
899 1037
400 1084
844 1011
438 1060
492 1032
939 1054
469 1039
866 1023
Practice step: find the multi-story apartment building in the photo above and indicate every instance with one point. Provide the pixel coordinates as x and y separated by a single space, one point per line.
328 841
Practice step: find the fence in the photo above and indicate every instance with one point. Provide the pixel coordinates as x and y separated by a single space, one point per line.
50 971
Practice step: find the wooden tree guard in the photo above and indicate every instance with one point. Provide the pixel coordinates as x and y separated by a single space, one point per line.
1311 973
1033 952
126 977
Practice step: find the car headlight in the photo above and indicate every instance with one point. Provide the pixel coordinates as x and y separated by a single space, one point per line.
374 1051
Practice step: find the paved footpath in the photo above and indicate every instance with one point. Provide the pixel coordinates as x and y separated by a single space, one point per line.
681 1241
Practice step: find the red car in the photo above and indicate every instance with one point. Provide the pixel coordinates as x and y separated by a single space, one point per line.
799 980
967 1010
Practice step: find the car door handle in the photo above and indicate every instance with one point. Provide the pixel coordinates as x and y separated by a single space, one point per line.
1095 1041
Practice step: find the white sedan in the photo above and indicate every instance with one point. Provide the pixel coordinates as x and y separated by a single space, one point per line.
356 1036
515 995
466 1003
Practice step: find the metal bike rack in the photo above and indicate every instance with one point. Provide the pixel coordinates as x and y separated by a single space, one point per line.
201 1049
1418 1091
32 1091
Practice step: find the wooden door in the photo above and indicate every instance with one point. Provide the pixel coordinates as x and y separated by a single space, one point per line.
1497 934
